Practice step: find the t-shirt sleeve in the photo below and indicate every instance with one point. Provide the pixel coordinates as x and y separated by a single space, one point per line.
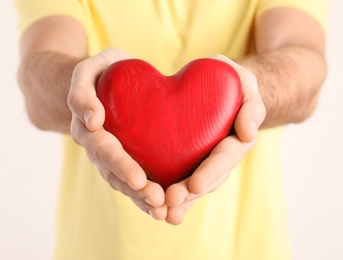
29 12
316 8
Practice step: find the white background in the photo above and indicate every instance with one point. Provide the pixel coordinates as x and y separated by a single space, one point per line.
30 163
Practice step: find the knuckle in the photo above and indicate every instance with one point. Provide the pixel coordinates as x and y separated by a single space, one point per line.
105 174
75 138
102 154
94 154
75 132
262 111
70 100
75 96
250 78
73 99
114 184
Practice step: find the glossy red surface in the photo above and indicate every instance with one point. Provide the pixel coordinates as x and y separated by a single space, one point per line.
169 124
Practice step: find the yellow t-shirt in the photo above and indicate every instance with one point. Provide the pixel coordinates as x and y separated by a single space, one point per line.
245 219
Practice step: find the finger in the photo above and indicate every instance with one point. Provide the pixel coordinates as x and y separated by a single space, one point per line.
122 187
215 169
253 111
112 156
84 104
104 149
153 194
159 213
249 119
175 215
82 98
177 193
141 198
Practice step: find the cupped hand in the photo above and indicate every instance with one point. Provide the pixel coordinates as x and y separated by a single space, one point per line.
215 170
103 149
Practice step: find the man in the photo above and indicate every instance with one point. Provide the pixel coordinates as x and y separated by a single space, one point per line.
277 48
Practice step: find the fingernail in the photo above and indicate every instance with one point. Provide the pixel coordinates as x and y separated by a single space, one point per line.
182 200
150 213
148 201
87 115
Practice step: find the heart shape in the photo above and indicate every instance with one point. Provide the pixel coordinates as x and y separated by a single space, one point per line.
169 124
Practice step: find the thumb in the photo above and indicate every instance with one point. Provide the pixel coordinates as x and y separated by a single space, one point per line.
83 101
82 98
252 111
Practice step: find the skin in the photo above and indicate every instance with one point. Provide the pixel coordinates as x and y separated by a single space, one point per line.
281 80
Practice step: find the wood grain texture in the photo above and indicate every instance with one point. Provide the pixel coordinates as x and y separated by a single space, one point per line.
169 124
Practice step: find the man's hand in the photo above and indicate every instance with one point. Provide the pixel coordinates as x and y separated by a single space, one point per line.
289 66
103 149
124 174
214 171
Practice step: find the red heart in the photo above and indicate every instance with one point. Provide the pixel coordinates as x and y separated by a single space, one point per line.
169 124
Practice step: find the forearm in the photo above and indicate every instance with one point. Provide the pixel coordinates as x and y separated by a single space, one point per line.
289 80
289 64
44 78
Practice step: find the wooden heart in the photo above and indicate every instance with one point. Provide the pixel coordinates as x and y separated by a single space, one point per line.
169 124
